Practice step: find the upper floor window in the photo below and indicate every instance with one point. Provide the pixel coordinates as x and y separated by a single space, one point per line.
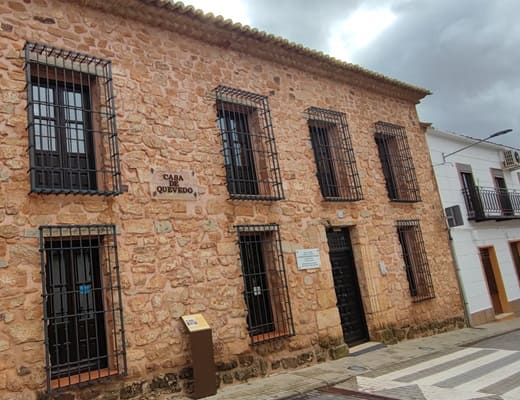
335 161
71 122
415 260
397 163
249 149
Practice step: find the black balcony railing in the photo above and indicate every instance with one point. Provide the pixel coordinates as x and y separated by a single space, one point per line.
490 203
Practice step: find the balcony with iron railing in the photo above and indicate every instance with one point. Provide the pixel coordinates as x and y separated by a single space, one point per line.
485 204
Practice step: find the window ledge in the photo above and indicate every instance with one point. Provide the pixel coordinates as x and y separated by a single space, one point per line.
84 377
269 336
254 197
75 192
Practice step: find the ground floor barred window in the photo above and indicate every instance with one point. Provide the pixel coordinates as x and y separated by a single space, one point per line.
266 295
415 260
83 316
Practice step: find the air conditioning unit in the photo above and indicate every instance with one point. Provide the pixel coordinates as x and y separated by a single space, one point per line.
511 159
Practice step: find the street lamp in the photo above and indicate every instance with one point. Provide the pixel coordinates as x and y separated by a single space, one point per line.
499 133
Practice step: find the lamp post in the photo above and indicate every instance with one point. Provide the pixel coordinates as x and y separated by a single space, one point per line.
499 133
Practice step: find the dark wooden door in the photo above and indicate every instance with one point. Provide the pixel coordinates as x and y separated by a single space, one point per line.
485 257
346 284
471 195
76 327
503 196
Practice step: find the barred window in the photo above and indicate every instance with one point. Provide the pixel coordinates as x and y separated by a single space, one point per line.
248 145
82 305
397 162
266 295
335 161
415 260
71 122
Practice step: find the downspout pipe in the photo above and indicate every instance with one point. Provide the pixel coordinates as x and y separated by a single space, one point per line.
462 292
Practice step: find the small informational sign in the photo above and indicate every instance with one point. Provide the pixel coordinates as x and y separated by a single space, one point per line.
308 258
195 322
174 184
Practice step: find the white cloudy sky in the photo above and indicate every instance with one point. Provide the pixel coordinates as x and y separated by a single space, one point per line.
467 52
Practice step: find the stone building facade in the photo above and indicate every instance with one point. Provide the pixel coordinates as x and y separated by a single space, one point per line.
156 162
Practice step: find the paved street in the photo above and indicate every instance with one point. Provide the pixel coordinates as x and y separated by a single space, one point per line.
470 363
487 370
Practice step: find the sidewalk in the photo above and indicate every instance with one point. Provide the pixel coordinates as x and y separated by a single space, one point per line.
303 380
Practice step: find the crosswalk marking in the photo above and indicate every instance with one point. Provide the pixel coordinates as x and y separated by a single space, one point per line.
468 374
444 366
451 372
487 380
512 394
430 363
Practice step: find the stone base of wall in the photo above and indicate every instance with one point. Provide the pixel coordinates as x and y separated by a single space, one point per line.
482 317
515 306
488 315
242 368
392 334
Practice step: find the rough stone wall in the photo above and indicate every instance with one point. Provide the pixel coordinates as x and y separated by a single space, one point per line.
181 257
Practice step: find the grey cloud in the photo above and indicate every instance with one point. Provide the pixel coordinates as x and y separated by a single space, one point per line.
466 52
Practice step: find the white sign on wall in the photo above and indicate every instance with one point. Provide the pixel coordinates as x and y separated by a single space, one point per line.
308 258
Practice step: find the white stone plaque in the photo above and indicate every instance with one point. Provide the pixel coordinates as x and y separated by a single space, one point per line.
173 184
308 258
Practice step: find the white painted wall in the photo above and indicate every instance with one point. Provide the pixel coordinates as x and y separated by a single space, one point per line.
471 235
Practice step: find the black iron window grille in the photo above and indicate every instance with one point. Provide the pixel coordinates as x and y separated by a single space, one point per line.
72 129
335 160
415 260
485 204
266 295
82 304
397 163
248 145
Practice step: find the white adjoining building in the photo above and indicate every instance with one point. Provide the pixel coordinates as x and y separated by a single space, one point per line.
484 181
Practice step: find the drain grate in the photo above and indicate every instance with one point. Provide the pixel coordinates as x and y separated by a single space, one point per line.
357 368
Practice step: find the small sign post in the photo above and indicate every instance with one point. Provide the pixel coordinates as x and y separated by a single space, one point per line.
204 370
